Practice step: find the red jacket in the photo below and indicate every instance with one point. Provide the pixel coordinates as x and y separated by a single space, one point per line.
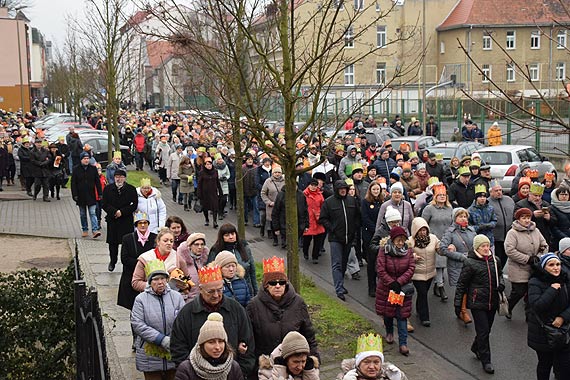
139 142
315 200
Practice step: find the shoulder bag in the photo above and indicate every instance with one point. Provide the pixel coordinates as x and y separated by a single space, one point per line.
557 338
503 301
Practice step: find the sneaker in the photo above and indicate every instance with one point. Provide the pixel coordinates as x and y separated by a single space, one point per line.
410 328
341 296
84 234
488 367
96 234
356 276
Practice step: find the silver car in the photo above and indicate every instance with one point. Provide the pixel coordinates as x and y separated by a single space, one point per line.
505 162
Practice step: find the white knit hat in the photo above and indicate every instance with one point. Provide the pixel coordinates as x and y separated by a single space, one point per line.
397 186
392 215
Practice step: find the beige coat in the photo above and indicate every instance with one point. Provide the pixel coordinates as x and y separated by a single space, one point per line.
271 187
520 244
424 257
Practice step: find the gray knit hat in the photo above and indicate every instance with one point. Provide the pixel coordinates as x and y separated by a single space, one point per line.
294 343
213 328
564 245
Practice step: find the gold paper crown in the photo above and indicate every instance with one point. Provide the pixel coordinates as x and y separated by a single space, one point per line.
339 148
480 188
357 166
537 188
145 182
274 264
209 274
407 167
532 173
475 163
153 266
349 181
201 149
549 176
381 180
433 181
117 154
370 342
213 150
463 170
412 155
439 189
439 156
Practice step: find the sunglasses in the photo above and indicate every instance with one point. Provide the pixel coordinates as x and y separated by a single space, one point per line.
274 283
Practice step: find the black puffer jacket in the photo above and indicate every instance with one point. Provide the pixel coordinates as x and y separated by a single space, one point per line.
479 281
278 214
548 303
340 216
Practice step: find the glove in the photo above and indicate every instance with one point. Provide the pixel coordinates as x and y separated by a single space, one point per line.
165 343
279 360
310 364
395 286
534 260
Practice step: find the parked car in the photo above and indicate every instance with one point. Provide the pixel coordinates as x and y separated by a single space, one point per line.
455 149
416 143
100 147
506 159
63 118
63 129
376 135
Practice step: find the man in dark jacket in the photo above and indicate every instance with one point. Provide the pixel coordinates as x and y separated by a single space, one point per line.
250 191
120 201
384 164
432 128
340 215
462 192
504 208
25 156
435 169
85 186
41 159
187 324
262 173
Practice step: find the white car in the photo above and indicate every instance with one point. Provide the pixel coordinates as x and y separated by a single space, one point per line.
505 162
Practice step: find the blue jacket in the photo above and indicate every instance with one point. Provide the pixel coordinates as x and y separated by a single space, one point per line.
384 167
237 288
369 213
483 219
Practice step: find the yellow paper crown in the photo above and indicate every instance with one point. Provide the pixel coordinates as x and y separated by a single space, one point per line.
369 342
537 188
117 154
153 266
213 150
201 149
480 188
549 176
412 155
463 170
145 182
439 156
532 173
209 274
349 181
274 264
475 163
433 181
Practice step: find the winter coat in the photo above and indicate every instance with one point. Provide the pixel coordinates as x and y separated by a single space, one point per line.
279 213
422 180
75 148
345 166
544 226
131 248
478 280
223 177
186 372
162 153
209 189
461 195
314 201
504 209
548 303
425 257
173 166
340 217
388 371
152 318
561 228
384 167
237 288
261 175
186 172
269 191
494 136
40 159
248 265
405 209
412 185
369 212
272 320
249 189
85 185
191 265
483 219
232 179
114 199
269 370
139 280
153 206
187 325
392 268
520 244
439 220
25 156
462 239
436 170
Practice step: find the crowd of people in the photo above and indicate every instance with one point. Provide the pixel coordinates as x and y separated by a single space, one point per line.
407 216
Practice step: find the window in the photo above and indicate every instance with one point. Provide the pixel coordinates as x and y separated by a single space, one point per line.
510 72
561 39
560 71
486 68
380 72
511 39
442 47
487 42
349 75
381 36
535 39
378 6
534 72
358 5
349 38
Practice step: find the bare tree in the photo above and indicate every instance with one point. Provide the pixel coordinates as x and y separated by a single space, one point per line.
16 5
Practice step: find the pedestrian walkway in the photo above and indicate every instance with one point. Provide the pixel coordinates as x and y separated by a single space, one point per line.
61 219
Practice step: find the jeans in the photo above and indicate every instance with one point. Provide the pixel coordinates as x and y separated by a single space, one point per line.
483 320
70 165
402 325
251 203
339 261
422 306
174 185
92 215
560 360
139 160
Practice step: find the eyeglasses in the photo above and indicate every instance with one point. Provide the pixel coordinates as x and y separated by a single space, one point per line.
274 283
214 291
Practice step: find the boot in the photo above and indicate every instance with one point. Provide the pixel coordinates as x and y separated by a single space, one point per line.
275 239
464 314
436 291
46 199
410 327
442 294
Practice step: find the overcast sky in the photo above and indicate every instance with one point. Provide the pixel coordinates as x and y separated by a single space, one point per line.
49 16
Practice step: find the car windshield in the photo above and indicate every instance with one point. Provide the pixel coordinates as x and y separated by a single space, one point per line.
496 158
447 152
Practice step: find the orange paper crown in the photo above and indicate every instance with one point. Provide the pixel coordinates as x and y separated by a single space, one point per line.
274 264
407 166
395 298
209 274
532 173
524 180
439 189
549 176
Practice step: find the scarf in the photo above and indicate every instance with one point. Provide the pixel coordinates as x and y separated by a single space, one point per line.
159 255
392 250
143 238
561 206
205 370
422 241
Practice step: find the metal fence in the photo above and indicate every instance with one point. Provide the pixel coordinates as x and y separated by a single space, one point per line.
89 337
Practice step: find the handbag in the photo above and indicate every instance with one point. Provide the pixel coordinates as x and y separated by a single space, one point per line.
556 337
503 301
408 289
197 206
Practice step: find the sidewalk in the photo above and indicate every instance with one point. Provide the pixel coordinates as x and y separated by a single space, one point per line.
61 219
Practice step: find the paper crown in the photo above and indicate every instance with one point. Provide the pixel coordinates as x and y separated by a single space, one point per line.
369 342
480 189
382 180
407 167
154 266
464 170
412 155
532 173
117 154
357 166
537 188
138 216
439 156
439 189
349 181
549 176
274 264
387 143
475 163
494 183
524 181
433 181
201 149
217 156
213 150
397 170
209 274
339 148
145 182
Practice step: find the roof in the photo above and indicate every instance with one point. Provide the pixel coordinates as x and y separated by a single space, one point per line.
505 13
159 52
